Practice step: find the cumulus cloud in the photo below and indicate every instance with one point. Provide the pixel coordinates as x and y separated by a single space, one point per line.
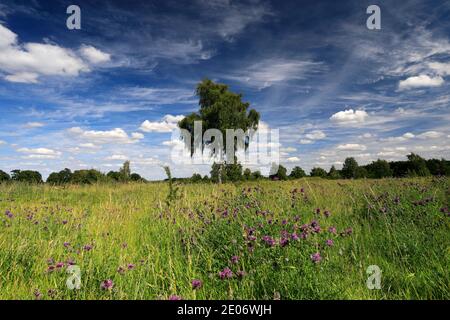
440 68
25 63
116 135
40 153
293 159
349 116
168 124
351 147
421 81
94 55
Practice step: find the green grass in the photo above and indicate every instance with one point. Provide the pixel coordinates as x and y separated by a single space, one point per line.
194 239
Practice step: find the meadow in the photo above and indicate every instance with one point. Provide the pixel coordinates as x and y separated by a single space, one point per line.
300 239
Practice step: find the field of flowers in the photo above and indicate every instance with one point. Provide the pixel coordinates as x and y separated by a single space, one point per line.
302 239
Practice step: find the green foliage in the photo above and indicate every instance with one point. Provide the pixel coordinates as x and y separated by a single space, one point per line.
349 169
196 177
59 178
4 176
27 176
297 173
318 172
333 173
125 171
281 174
90 176
173 189
379 169
220 109
418 165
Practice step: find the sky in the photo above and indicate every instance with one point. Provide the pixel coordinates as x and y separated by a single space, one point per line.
114 90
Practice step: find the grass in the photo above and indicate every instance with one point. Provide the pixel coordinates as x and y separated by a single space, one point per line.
399 225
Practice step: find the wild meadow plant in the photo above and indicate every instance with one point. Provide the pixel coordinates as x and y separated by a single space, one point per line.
300 239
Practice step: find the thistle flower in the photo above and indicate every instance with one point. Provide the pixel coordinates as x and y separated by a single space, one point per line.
87 247
327 213
294 237
284 242
329 242
226 273
196 284
332 230
9 214
316 257
240 274
175 298
234 259
269 240
107 284
130 266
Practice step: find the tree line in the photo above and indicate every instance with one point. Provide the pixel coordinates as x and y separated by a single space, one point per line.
414 166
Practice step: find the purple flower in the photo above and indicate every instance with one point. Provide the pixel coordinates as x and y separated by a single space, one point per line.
304 235
284 242
64 222
130 266
9 214
50 269
196 284
315 257
66 244
226 273
294 237
175 298
107 284
269 241
318 210
332 230
327 213
87 247
329 242
241 274
59 265
234 259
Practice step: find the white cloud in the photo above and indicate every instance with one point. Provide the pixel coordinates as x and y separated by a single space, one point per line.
306 141
293 159
315 135
2 142
271 71
161 96
25 63
117 157
31 125
288 149
442 69
430 135
349 116
116 135
94 55
39 153
168 124
420 82
351 147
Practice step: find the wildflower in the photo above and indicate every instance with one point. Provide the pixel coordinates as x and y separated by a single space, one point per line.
87 247
317 229
284 222
226 273
329 242
37 294
50 269
234 259
175 298
70 262
332 230
315 257
130 266
317 210
327 213
59 265
196 284
107 284
294 237
304 235
66 244
241 274
269 240
121 270
64 222
349 231
284 242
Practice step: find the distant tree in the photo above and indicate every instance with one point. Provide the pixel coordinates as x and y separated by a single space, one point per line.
217 173
438 167
256 175
28 176
205 178
379 169
297 173
349 168
4 176
61 177
318 172
247 174
196 178
361 173
417 165
115 176
334 173
91 176
125 171
281 174
233 172
136 178
220 109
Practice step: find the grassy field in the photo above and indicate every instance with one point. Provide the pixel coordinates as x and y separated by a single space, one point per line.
303 239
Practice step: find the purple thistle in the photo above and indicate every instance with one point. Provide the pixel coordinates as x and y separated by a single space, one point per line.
284 242
66 244
87 247
332 230
315 257
327 213
329 242
226 273
175 298
241 274
234 259
107 284
196 284
9 214
294 237
130 266
269 241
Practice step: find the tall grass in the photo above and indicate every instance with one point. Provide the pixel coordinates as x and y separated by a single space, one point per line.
151 249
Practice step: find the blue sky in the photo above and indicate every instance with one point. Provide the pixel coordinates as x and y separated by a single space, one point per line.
112 91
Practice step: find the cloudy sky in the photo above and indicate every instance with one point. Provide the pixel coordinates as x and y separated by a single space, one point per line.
112 91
